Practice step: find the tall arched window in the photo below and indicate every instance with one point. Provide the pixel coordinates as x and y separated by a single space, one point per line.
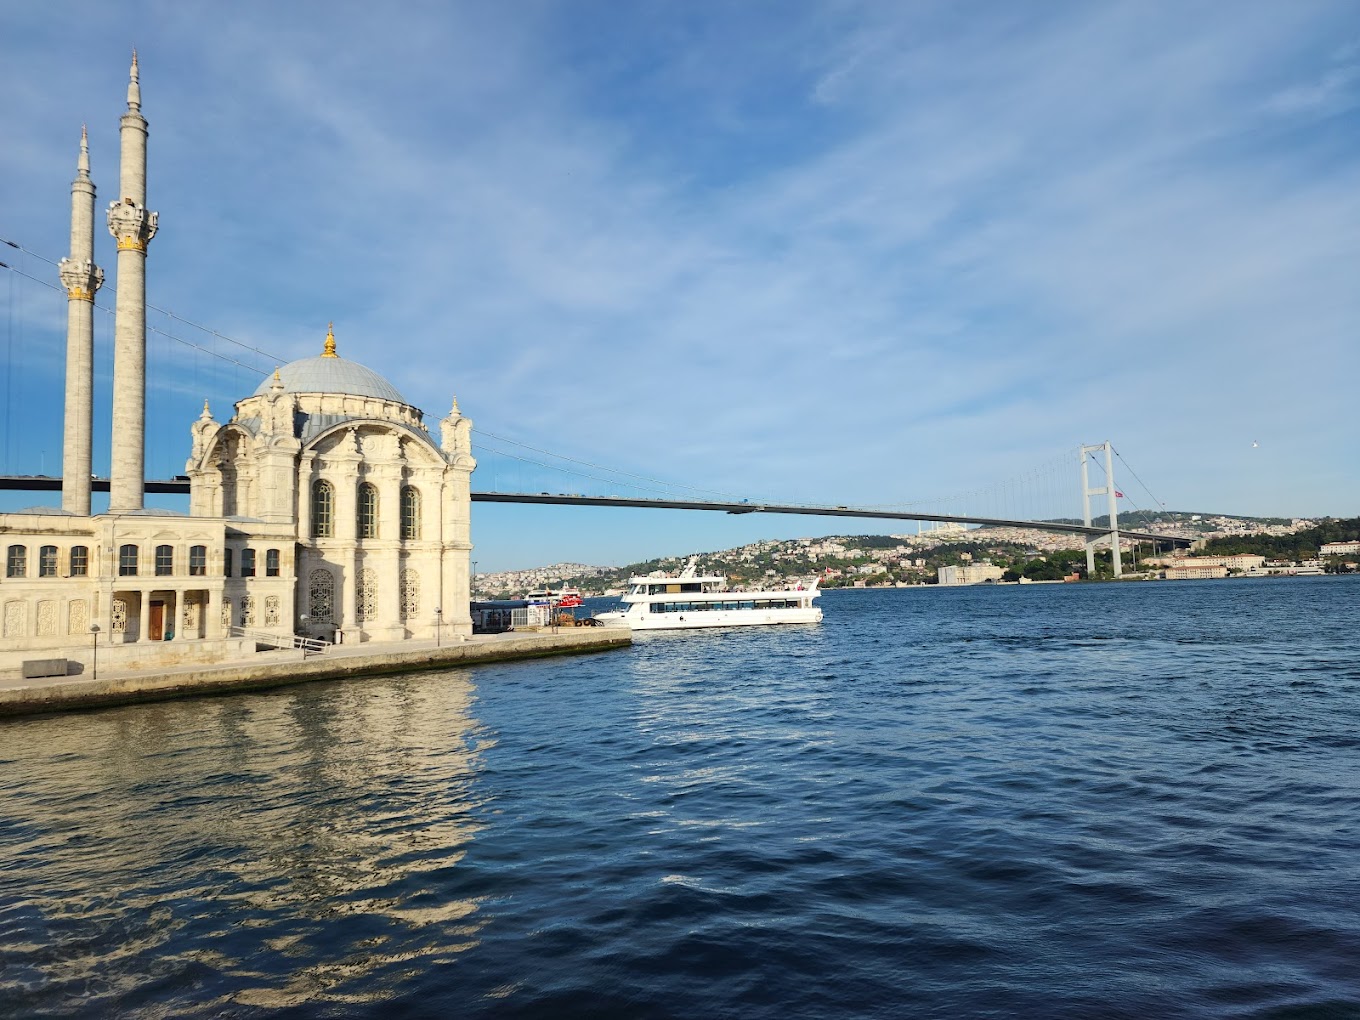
321 595
16 561
368 510
323 509
127 561
47 561
410 512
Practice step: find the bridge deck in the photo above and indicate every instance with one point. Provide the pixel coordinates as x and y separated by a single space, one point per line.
46 483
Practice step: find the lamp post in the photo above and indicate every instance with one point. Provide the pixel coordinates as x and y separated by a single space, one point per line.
438 624
473 585
94 648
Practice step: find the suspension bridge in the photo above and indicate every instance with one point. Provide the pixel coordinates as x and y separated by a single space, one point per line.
194 359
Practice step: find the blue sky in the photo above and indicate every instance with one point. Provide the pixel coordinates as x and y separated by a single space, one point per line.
852 253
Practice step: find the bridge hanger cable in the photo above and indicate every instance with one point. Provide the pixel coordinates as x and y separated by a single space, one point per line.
150 329
155 308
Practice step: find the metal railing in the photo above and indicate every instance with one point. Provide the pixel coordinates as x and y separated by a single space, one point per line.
308 646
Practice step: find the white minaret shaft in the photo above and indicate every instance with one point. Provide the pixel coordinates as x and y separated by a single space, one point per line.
81 278
133 227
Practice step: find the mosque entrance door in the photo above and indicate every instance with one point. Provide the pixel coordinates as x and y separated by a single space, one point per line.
156 622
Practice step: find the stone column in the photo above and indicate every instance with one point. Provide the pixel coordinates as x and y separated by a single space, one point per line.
133 227
81 278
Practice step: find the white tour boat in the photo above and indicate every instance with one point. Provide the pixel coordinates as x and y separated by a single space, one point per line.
693 600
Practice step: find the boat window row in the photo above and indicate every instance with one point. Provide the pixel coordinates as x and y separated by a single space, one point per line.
670 588
49 561
366 511
701 607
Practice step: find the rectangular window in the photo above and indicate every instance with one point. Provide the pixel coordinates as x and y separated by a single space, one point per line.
226 562
247 562
127 561
198 560
80 560
47 561
271 563
16 561
165 560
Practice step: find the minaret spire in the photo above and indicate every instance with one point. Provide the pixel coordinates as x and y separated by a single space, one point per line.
134 227
134 99
329 350
81 278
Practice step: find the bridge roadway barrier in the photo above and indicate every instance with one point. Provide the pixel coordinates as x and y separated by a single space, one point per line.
20 696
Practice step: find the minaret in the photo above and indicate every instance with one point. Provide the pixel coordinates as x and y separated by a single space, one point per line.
81 278
134 228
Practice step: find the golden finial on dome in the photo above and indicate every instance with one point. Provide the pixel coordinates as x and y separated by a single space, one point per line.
329 352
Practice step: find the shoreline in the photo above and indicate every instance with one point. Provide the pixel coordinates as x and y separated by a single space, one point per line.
20 697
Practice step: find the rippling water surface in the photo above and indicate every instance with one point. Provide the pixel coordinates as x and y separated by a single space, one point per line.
1055 801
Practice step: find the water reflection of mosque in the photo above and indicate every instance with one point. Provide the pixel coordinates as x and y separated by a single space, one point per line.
301 845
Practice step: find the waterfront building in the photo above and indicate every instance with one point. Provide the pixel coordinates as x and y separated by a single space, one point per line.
970 573
323 505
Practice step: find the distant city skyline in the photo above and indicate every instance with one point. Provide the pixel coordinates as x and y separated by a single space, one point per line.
809 252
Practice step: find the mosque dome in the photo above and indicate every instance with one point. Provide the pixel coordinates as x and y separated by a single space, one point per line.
330 373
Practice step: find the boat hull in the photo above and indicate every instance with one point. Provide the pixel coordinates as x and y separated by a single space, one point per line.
709 619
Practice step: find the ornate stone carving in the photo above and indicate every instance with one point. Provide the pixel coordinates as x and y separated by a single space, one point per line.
131 224
191 610
80 277
247 610
47 618
321 595
77 617
226 615
366 606
271 610
14 619
119 616
455 433
410 594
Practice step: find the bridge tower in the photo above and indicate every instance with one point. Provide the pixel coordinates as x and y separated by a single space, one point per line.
1107 490
133 226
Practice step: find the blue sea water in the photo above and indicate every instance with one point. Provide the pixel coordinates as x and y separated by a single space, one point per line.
1135 800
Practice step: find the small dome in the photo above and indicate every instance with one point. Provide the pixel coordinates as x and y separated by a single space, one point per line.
330 373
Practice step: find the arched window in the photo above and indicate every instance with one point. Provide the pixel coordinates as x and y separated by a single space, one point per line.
368 510
47 561
165 560
127 561
271 563
198 560
16 561
410 594
410 512
366 597
323 509
80 560
322 596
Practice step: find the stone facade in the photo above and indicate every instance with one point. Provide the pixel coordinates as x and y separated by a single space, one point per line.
323 507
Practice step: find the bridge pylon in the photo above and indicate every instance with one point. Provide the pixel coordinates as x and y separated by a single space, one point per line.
1107 490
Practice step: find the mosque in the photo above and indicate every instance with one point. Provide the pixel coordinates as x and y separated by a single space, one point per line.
323 508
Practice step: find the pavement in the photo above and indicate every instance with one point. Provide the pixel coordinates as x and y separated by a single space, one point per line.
19 696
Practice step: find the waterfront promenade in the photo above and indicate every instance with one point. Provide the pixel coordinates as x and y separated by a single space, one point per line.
19 696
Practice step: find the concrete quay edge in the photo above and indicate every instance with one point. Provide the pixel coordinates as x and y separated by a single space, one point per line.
56 694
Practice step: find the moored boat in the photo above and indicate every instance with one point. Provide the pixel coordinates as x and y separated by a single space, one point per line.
692 600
